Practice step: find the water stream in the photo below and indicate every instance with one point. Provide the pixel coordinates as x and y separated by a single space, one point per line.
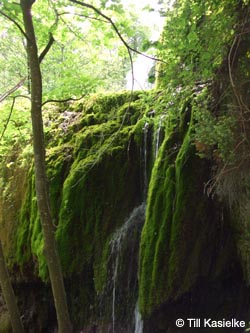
145 157
128 232
158 135
138 320
126 241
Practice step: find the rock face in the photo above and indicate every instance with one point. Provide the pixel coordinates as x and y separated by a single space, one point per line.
114 191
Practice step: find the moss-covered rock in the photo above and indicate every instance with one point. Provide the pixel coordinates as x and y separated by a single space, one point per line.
99 162
180 222
94 176
5 323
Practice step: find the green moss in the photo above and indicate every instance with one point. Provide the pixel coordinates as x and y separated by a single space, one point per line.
172 242
5 323
29 232
186 171
25 225
157 226
100 267
93 199
105 107
164 233
90 173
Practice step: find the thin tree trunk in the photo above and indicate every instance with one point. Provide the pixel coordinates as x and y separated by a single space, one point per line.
42 188
9 296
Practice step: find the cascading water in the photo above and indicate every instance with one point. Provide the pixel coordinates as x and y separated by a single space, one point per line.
145 157
158 135
138 320
137 316
128 232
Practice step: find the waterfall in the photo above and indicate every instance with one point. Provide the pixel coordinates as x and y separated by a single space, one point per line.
126 240
138 320
137 316
158 135
126 233
145 156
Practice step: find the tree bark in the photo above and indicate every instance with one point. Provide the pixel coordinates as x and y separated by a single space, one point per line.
9 296
41 183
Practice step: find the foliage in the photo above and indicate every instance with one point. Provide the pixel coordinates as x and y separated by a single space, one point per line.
15 133
12 49
93 148
195 41
98 62
205 49
213 135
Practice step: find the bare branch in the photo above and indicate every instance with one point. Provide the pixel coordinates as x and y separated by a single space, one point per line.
8 119
62 100
22 96
9 92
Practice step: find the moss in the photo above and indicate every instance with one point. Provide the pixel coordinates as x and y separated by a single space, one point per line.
13 177
59 160
178 212
105 107
93 198
90 170
30 244
158 220
25 225
5 323
186 172
101 267
29 233
164 232
157 231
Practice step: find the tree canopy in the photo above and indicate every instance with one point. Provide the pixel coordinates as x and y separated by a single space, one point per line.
84 54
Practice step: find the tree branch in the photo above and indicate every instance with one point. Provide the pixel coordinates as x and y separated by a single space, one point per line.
8 119
128 47
9 92
63 100
82 15
91 17
71 30
16 24
47 48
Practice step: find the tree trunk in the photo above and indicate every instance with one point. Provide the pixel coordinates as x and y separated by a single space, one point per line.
42 187
9 296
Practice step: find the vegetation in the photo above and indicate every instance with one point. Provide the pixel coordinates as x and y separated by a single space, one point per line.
206 59
26 26
9 296
183 146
